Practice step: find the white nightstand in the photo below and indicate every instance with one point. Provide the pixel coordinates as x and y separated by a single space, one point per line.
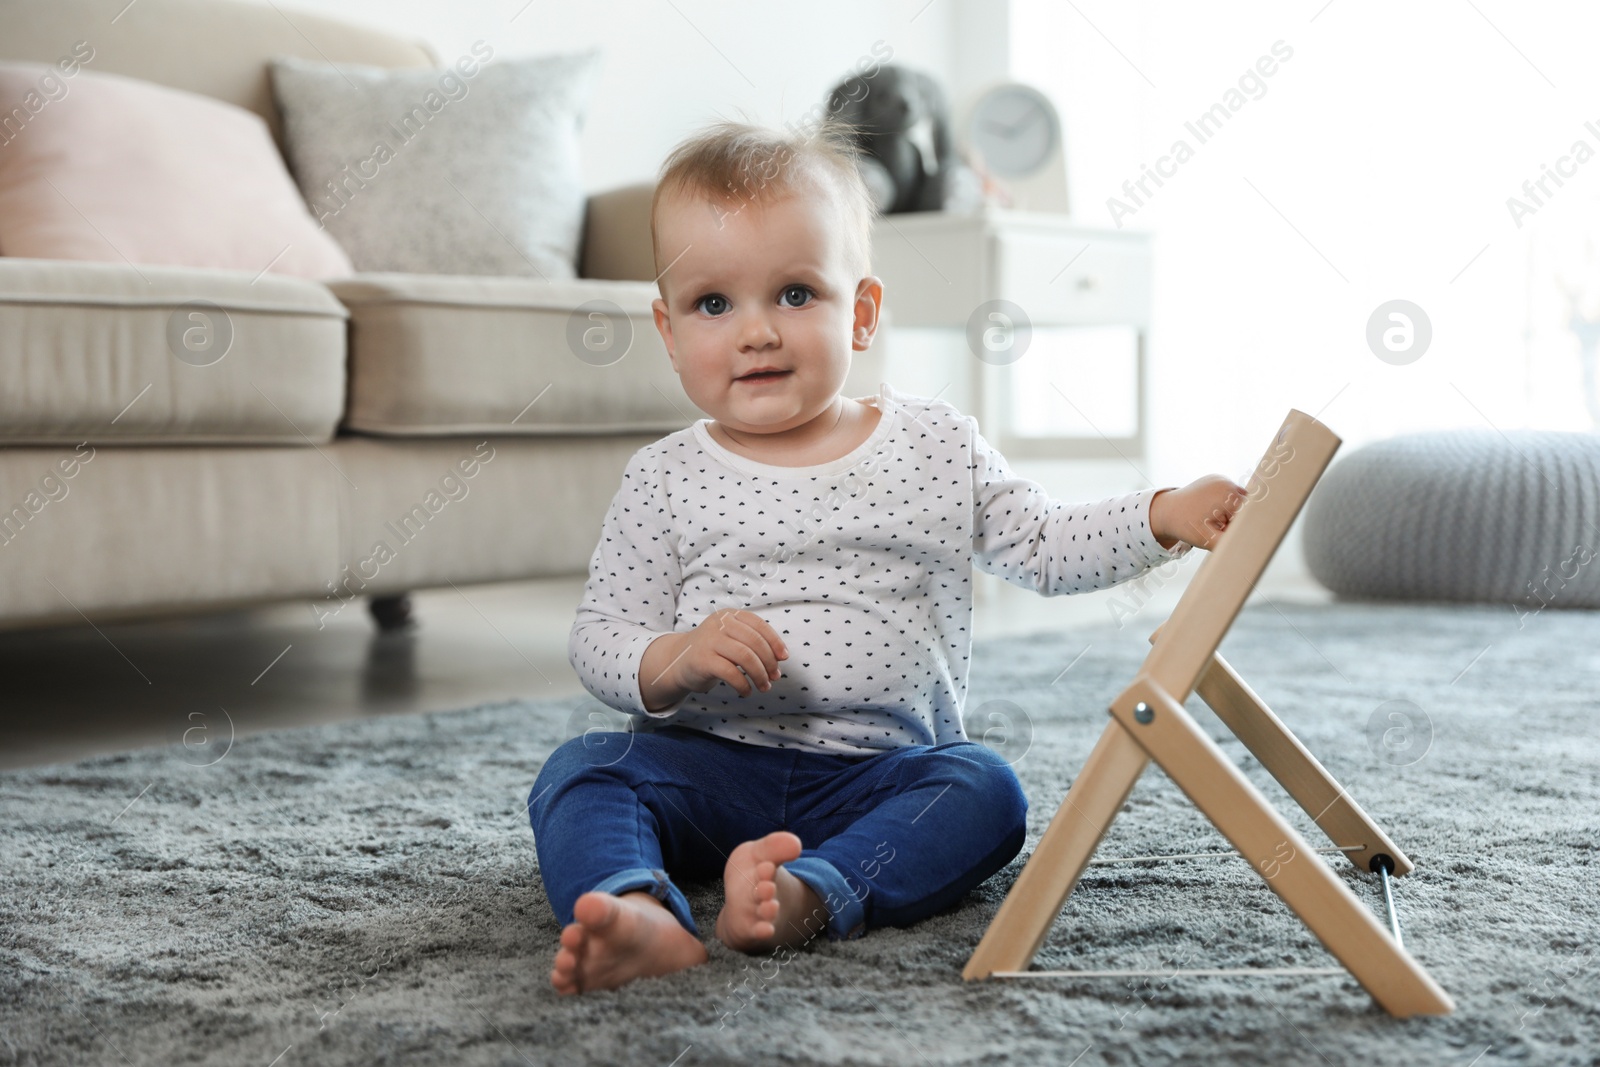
939 268
1078 390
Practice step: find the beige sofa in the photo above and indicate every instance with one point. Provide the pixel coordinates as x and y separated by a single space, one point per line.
357 439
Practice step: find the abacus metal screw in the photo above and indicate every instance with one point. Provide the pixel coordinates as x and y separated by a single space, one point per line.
1144 712
1383 865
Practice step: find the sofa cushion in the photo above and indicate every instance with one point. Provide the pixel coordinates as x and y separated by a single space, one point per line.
113 354
118 170
473 169
456 355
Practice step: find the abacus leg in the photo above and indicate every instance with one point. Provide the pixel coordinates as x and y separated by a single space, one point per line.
1295 768
1031 907
1344 925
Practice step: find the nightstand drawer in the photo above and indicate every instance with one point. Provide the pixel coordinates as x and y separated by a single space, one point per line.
1076 281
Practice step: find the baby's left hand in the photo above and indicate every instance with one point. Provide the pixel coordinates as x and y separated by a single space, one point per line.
1197 513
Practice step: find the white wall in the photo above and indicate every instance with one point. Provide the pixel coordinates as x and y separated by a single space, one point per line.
673 65
1376 165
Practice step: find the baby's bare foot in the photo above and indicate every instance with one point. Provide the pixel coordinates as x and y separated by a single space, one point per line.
619 938
764 905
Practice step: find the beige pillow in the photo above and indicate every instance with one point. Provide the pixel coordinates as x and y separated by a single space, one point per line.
102 167
444 171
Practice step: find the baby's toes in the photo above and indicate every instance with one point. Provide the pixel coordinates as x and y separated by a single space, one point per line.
564 973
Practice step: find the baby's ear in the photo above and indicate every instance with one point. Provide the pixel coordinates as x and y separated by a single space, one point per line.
868 312
663 320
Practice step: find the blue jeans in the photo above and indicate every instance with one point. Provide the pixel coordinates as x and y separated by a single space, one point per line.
888 839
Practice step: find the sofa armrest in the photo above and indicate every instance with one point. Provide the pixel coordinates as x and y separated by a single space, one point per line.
616 235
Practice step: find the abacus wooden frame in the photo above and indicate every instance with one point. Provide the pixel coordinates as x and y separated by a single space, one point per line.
1149 722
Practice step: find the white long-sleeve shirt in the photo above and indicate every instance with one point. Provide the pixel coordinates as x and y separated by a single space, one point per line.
863 565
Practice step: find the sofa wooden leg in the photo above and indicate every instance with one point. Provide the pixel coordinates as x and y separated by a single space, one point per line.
391 613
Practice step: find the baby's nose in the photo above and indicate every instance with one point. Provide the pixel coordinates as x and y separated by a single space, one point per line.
757 328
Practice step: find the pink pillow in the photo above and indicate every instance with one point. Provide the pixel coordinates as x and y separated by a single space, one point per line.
101 167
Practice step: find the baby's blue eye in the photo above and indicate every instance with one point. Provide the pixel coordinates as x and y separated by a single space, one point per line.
802 290
718 299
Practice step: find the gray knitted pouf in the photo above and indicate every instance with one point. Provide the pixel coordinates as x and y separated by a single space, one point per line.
1472 515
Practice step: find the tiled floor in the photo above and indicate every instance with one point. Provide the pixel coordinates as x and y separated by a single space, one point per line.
80 691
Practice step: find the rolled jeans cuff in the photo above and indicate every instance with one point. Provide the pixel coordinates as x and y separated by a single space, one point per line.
847 915
658 885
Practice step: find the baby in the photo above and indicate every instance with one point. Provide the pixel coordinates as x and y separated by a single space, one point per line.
781 599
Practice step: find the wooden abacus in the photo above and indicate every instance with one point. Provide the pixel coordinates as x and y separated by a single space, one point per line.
1149 722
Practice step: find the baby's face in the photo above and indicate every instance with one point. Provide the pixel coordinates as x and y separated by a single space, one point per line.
754 285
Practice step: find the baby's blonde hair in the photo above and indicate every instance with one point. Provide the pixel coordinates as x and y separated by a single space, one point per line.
741 163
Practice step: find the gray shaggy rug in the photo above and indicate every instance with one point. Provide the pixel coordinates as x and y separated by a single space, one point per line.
367 893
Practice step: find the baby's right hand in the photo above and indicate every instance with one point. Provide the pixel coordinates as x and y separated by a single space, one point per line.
726 641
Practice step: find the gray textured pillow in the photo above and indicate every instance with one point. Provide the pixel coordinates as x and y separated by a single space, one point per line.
442 171
1465 515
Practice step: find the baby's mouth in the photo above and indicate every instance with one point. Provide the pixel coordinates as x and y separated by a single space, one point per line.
765 376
